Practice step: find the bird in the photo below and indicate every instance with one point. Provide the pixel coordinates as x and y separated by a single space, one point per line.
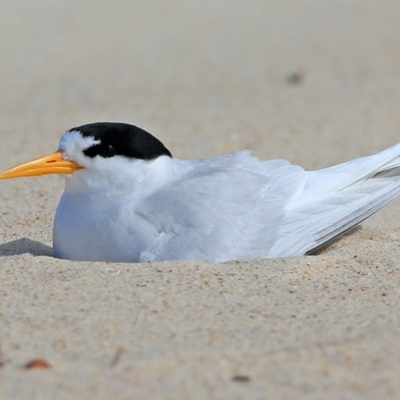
127 199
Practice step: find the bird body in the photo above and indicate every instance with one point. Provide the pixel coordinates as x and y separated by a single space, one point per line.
213 209
136 203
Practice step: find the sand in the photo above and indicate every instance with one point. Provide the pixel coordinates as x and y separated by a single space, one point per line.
313 82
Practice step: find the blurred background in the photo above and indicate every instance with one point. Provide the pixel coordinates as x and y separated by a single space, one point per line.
316 82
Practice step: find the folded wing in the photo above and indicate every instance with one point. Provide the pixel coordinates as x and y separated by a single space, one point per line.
236 206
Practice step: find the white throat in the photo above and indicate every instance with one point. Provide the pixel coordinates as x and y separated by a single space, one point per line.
117 175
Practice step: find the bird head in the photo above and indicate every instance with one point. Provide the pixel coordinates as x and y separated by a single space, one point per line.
96 147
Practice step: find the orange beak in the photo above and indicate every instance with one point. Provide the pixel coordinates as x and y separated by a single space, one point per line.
53 163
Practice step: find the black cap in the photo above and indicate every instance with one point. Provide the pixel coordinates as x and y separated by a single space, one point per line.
123 140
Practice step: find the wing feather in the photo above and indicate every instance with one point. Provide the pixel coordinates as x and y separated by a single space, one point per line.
225 208
239 207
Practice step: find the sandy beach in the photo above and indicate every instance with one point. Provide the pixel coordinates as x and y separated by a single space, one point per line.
313 82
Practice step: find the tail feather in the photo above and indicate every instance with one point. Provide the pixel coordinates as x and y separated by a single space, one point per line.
336 199
356 213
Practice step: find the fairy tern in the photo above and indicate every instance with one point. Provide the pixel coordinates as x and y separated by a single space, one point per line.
126 199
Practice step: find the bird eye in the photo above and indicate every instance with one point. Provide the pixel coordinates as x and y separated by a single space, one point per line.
109 151
102 150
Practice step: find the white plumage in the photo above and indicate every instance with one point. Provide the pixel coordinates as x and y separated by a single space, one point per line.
231 207
218 209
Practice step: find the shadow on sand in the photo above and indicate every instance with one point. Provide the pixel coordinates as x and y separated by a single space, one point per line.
24 246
